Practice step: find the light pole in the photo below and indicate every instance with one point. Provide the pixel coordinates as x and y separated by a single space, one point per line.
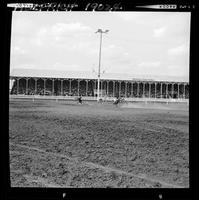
98 85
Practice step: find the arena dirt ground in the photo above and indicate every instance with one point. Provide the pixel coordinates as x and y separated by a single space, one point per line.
64 144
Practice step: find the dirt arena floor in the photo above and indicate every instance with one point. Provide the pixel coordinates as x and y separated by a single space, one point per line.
65 144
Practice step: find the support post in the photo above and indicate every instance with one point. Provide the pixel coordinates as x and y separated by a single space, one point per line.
10 85
143 89
160 90
125 89
78 82
53 90
184 92
101 88
113 88
70 86
138 89
172 89
26 86
44 86
61 87
119 88
107 88
95 85
167 90
149 90
132 89
35 85
86 87
18 86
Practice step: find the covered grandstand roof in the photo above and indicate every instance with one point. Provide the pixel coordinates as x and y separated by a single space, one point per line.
45 73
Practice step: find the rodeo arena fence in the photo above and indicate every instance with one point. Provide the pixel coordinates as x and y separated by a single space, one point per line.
36 84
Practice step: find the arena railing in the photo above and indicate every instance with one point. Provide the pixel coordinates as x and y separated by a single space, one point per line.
108 99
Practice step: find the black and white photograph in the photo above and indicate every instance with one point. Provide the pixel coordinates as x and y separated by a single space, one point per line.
99 99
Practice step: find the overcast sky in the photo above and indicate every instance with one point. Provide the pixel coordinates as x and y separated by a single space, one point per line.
148 43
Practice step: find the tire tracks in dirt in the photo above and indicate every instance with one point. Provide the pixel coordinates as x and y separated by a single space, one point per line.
152 127
42 181
94 165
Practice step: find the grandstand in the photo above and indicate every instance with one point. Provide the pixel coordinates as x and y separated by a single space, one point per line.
76 83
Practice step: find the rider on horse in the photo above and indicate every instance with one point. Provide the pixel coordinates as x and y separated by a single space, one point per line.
117 100
80 99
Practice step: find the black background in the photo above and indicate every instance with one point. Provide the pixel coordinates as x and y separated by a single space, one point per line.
98 193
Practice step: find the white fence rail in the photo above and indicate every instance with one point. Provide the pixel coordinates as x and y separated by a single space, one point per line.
144 100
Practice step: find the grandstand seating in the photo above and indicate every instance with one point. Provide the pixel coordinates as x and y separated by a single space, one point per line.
73 91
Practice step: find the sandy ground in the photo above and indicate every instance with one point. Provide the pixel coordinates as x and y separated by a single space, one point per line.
64 144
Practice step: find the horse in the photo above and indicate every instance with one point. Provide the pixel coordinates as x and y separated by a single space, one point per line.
119 100
79 99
